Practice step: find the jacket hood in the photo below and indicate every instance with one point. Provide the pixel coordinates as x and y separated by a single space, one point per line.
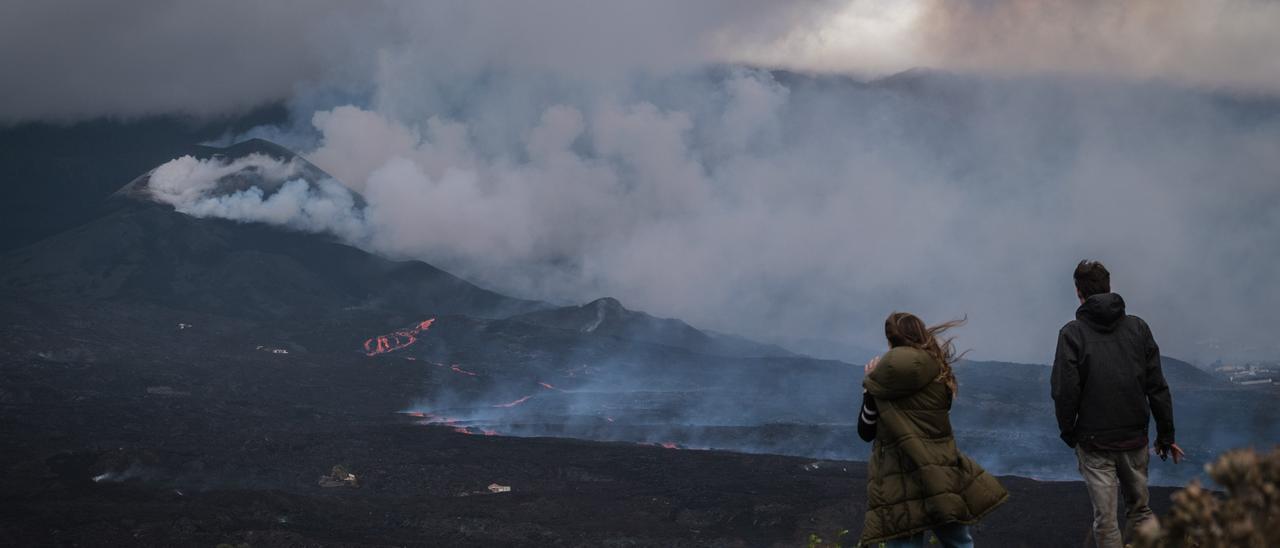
1102 312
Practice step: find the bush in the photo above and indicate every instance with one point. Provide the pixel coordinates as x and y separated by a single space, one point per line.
1246 514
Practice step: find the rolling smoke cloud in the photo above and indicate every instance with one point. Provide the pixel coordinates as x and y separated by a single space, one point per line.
743 203
573 150
1209 43
70 60
324 206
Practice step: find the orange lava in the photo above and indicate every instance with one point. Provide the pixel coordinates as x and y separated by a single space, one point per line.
670 445
457 369
397 339
514 403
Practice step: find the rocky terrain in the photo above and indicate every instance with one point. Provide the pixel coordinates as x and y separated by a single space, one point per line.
185 437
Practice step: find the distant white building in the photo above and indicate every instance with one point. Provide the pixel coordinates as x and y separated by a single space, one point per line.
271 349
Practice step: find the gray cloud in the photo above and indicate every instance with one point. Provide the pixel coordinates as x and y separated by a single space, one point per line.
69 60
1213 43
803 209
572 150
1204 43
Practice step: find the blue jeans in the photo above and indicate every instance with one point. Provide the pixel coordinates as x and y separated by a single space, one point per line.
951 535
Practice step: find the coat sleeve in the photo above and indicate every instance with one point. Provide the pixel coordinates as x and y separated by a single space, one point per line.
1065 385
1158 395
868 415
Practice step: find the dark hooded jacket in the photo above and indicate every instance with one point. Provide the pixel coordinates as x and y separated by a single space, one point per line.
1106 381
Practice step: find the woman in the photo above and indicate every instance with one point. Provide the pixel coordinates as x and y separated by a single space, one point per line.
917 480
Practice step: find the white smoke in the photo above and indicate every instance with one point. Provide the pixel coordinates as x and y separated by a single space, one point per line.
595 149
192 187
186 180
202 59
803 207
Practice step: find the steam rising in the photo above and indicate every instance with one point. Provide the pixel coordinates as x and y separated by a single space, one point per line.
192 187
567 150
779 206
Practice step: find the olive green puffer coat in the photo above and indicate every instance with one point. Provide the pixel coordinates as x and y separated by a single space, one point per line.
917 479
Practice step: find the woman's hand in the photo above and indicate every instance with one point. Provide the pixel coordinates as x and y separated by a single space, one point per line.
871 366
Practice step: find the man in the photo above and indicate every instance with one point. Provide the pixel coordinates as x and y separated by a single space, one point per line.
1106 385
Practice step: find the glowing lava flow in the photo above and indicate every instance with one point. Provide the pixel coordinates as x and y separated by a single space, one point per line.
396 340
514 403
460 370
471 431
526 398
430 419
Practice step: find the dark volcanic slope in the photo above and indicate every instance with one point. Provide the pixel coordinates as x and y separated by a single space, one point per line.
56 176
608 317
145 252
1180 373
195 440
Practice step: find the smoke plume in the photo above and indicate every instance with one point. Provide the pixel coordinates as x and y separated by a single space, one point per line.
570 150
800 208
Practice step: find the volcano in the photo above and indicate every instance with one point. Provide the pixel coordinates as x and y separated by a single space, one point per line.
245 178
606 316
169 379
140 251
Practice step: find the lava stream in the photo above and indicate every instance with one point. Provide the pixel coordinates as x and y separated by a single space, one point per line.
514 403
396 340
460 370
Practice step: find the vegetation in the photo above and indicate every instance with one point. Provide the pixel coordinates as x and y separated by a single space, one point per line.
1247 513
816 541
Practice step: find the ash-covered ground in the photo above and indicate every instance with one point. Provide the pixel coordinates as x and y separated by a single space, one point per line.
194 436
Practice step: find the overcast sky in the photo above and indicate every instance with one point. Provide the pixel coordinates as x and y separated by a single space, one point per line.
72 59
574 149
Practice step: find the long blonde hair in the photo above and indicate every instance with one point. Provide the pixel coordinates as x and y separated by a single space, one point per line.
906 329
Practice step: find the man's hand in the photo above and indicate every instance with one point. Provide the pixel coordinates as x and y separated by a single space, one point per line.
1165 451
871 366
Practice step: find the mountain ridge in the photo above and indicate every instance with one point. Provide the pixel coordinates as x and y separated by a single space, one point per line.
607 316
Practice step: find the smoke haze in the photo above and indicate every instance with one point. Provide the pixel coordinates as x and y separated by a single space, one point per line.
573 150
